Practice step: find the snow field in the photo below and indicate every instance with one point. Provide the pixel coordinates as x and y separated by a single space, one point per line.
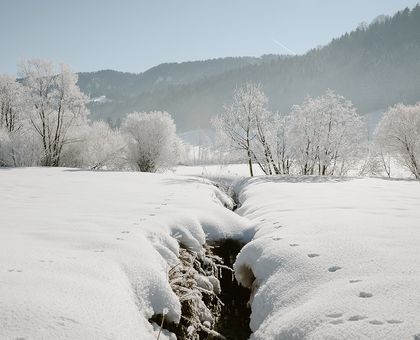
332 258
85 255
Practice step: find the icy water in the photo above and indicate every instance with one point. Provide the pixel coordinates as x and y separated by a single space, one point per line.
234 320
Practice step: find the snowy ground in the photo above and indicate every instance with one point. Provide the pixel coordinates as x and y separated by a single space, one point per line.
84 255
332 258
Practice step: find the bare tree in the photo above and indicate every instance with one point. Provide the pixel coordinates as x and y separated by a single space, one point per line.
57 105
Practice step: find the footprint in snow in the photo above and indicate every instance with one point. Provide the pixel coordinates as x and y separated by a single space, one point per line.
393 321
334 269
334 315
278 226
276 238
152 214
293 244
125 232
313 255
376 322
365 295
336 322
355 281
119 239
14 270
98 251
357 318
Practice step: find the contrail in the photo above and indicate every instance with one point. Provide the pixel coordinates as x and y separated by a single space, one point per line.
283 46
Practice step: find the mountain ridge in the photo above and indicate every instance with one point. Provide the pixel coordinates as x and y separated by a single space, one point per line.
374 66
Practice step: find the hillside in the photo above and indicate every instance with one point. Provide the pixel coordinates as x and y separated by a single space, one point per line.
375 66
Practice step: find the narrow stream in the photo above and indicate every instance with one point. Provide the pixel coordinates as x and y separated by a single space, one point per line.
233 323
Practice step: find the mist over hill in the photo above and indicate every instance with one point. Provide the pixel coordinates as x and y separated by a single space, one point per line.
374 66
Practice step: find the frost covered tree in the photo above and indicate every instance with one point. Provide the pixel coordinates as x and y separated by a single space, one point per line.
11 103
18 146
152 143
326 134
57 106
245 125
398 134
281 144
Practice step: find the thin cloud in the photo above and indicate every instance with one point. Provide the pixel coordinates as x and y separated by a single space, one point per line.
283 46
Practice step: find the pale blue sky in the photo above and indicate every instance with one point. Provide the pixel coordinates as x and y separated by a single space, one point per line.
134 35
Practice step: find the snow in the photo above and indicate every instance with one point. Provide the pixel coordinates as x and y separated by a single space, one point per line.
332 258
86 254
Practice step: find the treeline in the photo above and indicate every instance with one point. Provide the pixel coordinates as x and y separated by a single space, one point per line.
322 136
44 121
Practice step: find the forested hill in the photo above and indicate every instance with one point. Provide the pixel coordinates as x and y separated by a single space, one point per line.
375 66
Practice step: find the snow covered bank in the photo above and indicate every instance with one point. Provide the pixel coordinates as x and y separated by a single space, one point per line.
87 254
332 258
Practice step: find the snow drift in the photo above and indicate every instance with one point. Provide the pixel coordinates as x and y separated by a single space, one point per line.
333 258
87 254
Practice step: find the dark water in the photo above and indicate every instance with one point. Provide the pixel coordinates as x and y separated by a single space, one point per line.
234 320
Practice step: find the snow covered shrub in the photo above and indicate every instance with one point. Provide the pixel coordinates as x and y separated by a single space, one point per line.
398 135
5 149
19 148
152 143
97 147
194 281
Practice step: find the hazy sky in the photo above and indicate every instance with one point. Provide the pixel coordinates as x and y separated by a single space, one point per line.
134 35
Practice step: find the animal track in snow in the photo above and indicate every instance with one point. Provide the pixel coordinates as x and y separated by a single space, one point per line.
355 281
334 269
393 321
336 322
376 322
276 238
152 214
334 315
119 239
125 232
98 251
14 270
365 295
293 244
313 255
357 318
